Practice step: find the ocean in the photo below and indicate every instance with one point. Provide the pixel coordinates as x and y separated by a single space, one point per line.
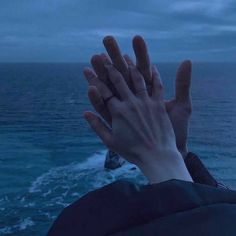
49 157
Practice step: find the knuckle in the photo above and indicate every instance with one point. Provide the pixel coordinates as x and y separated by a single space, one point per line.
117 111
142 92
133 104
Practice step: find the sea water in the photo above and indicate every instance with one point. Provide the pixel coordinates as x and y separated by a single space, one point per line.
49 157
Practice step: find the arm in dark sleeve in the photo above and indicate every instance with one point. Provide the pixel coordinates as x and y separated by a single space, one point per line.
169 208
199 172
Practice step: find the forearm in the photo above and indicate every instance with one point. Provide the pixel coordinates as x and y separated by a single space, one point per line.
199 172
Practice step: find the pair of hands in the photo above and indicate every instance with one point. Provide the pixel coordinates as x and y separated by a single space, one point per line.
139 119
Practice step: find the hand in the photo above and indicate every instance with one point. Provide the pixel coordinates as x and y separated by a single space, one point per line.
178 109
141 130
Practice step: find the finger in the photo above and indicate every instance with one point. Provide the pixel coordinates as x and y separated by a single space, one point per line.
99 68
119 82
130 63
115 54
142 58
102 88
138 82
98 104
98 62
99 127
128 60
106 59
183 81
157 86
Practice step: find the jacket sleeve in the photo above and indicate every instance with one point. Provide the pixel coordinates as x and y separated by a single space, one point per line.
199 172
169 208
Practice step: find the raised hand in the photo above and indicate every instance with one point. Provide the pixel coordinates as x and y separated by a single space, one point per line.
140 129
178 109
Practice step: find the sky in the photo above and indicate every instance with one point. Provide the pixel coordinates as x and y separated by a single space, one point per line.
72 30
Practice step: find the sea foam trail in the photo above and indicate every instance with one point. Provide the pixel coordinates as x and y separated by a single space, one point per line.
49 193
77 179
21 225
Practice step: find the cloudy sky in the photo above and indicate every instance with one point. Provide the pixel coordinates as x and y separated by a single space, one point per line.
72 30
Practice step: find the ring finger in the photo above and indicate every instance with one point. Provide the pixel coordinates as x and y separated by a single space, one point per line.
143 60
102 88
138 82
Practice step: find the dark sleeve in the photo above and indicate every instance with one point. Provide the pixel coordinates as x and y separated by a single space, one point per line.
169 208
199 172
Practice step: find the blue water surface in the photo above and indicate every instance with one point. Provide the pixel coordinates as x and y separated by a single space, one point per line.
49 157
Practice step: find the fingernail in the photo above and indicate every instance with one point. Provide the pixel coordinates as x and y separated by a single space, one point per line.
108 39
88 73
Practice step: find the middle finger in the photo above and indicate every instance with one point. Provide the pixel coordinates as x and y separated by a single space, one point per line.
143 60
115 54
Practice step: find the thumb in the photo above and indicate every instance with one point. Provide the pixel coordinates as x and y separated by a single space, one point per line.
183 81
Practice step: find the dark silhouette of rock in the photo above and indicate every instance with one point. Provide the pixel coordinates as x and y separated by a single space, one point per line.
113 160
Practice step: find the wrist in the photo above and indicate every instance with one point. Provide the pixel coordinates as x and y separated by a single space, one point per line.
170 165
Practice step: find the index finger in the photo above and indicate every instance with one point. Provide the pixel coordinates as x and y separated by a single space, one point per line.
98 62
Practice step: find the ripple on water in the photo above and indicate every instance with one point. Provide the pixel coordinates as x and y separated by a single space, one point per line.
59 187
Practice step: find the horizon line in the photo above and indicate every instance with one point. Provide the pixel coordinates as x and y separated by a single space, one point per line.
82 62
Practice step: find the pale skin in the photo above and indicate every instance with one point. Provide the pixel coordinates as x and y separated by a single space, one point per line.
140 129
179 108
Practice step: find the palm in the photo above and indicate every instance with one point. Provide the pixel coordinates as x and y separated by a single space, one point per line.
179 109
179 114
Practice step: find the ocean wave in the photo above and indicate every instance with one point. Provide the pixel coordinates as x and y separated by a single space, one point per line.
52 191
91 169
21 225
60 186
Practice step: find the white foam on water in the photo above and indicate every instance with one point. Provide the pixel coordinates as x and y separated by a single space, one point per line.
92 169
76 179
95 161
60 186
6 230
20 226
25 223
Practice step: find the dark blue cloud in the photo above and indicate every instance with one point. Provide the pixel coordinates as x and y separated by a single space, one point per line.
62 30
